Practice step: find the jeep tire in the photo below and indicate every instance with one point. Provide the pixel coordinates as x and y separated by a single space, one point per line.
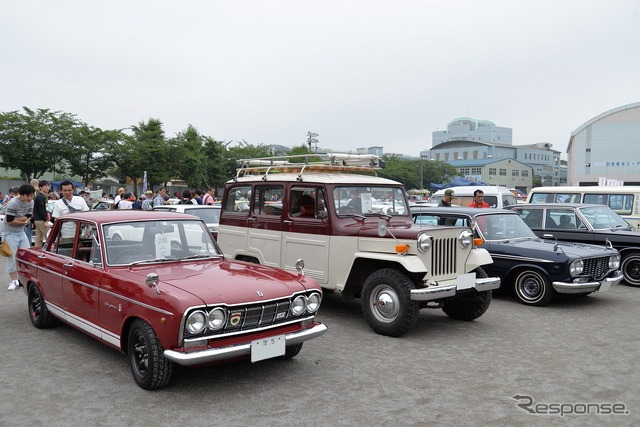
386 302
469 306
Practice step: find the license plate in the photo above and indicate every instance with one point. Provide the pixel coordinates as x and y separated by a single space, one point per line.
266 348
466 281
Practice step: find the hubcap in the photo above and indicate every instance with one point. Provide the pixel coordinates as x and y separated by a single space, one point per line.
384 302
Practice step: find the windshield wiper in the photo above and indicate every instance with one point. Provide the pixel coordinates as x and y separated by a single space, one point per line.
145 261
196 256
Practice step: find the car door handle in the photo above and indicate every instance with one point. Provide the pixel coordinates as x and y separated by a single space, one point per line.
67 265
547 236
287 222
252 219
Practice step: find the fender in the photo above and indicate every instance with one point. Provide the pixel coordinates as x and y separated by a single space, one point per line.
477 258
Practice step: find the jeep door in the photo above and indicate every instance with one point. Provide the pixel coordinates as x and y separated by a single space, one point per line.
264 224
306 232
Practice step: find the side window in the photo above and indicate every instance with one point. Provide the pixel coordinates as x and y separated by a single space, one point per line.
238 199
88 248
539 198
62 243
307 202
531 217
561 218
267 200
426 219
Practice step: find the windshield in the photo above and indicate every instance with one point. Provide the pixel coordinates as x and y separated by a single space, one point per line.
601 217
370 200
501 227
128 242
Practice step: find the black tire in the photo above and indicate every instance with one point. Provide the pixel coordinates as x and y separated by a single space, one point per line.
38 311
631 269
386 302
146 356
532 288
469 306
291 351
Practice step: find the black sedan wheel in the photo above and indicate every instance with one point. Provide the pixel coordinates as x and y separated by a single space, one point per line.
149 367
532 288
386 302
38 312
631 269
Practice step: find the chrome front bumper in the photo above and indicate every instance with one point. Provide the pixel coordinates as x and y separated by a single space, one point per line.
211 355
582 287
447 289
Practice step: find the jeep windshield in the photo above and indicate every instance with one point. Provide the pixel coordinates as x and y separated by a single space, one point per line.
362 200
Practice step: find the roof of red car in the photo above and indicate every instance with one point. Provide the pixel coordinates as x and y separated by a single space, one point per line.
106 216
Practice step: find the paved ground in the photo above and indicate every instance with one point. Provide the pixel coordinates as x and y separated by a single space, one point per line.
573 352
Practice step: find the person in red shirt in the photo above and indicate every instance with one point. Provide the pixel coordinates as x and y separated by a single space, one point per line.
478 200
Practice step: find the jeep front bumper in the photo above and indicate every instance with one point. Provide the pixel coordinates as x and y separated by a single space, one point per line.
450 288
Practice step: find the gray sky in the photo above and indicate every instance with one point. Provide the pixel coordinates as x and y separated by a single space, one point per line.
359 73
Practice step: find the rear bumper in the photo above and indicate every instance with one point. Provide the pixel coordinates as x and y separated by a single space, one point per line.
211 355
582 287
447 289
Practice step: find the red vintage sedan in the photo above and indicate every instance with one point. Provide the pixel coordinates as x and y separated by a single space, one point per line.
156 286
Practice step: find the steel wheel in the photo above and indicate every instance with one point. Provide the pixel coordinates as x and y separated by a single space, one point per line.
631 269
532 288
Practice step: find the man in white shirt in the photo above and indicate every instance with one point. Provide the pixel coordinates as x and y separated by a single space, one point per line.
68 203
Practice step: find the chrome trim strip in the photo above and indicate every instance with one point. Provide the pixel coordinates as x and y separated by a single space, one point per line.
522 258
84 325
216 354
445 291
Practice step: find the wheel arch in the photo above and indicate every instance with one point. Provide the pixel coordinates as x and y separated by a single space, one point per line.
516 269
362 268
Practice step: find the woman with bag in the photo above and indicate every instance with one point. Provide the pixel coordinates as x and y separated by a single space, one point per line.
17 215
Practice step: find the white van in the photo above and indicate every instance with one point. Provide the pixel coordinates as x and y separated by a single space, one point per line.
496 197
624 200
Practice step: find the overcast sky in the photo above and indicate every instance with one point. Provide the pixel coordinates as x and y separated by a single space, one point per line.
359 73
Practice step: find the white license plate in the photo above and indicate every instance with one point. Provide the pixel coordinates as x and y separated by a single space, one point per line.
466 281
266 348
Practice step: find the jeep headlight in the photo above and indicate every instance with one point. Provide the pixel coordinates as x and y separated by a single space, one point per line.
614 261
576 267
299 305
424 242
196 322
465 239
313 302
216 318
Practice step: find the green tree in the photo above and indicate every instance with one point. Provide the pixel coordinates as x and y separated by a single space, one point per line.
401 170
218 167
36 141
89 153
437 172
187 152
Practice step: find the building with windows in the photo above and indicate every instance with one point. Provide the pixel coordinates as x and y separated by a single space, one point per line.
471 140
499 172
607 146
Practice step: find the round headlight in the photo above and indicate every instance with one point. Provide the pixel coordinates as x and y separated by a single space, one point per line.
576 267
216 318
298 305
313 302
465 239
424 242
196 322
614 261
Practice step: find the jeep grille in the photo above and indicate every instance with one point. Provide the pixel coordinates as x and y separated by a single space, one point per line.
444 253
596 267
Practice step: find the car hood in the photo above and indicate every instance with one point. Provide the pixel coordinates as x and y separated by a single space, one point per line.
544 248
223 281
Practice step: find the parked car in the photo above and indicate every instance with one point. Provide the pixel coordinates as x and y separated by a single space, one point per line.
534 268
208 213
164 293
356 235
596 224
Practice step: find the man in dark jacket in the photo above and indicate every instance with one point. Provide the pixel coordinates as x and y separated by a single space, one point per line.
40 214
448 198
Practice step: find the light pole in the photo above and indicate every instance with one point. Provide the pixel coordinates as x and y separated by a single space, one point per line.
423 157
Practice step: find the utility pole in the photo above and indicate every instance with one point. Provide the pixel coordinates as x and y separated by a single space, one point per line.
312 139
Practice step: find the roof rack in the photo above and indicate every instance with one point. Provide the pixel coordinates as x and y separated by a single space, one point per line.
316 162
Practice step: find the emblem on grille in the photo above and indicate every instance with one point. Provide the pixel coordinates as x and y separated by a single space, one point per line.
235 318
260 294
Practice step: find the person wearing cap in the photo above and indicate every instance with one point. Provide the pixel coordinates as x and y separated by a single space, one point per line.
119 195
447 199
478 200
147 203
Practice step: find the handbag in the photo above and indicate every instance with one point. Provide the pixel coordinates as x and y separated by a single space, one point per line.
5 250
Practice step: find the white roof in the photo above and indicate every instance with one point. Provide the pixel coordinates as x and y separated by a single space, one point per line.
323 178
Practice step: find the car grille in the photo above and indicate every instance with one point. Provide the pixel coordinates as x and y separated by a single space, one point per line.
444 256
251 316
596 267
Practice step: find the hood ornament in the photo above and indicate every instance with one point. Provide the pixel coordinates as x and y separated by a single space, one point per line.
260 294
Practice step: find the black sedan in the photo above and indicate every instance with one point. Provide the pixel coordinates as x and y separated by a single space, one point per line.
534 268
595 224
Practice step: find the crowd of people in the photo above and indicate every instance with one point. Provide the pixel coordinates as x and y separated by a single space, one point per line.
28 210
